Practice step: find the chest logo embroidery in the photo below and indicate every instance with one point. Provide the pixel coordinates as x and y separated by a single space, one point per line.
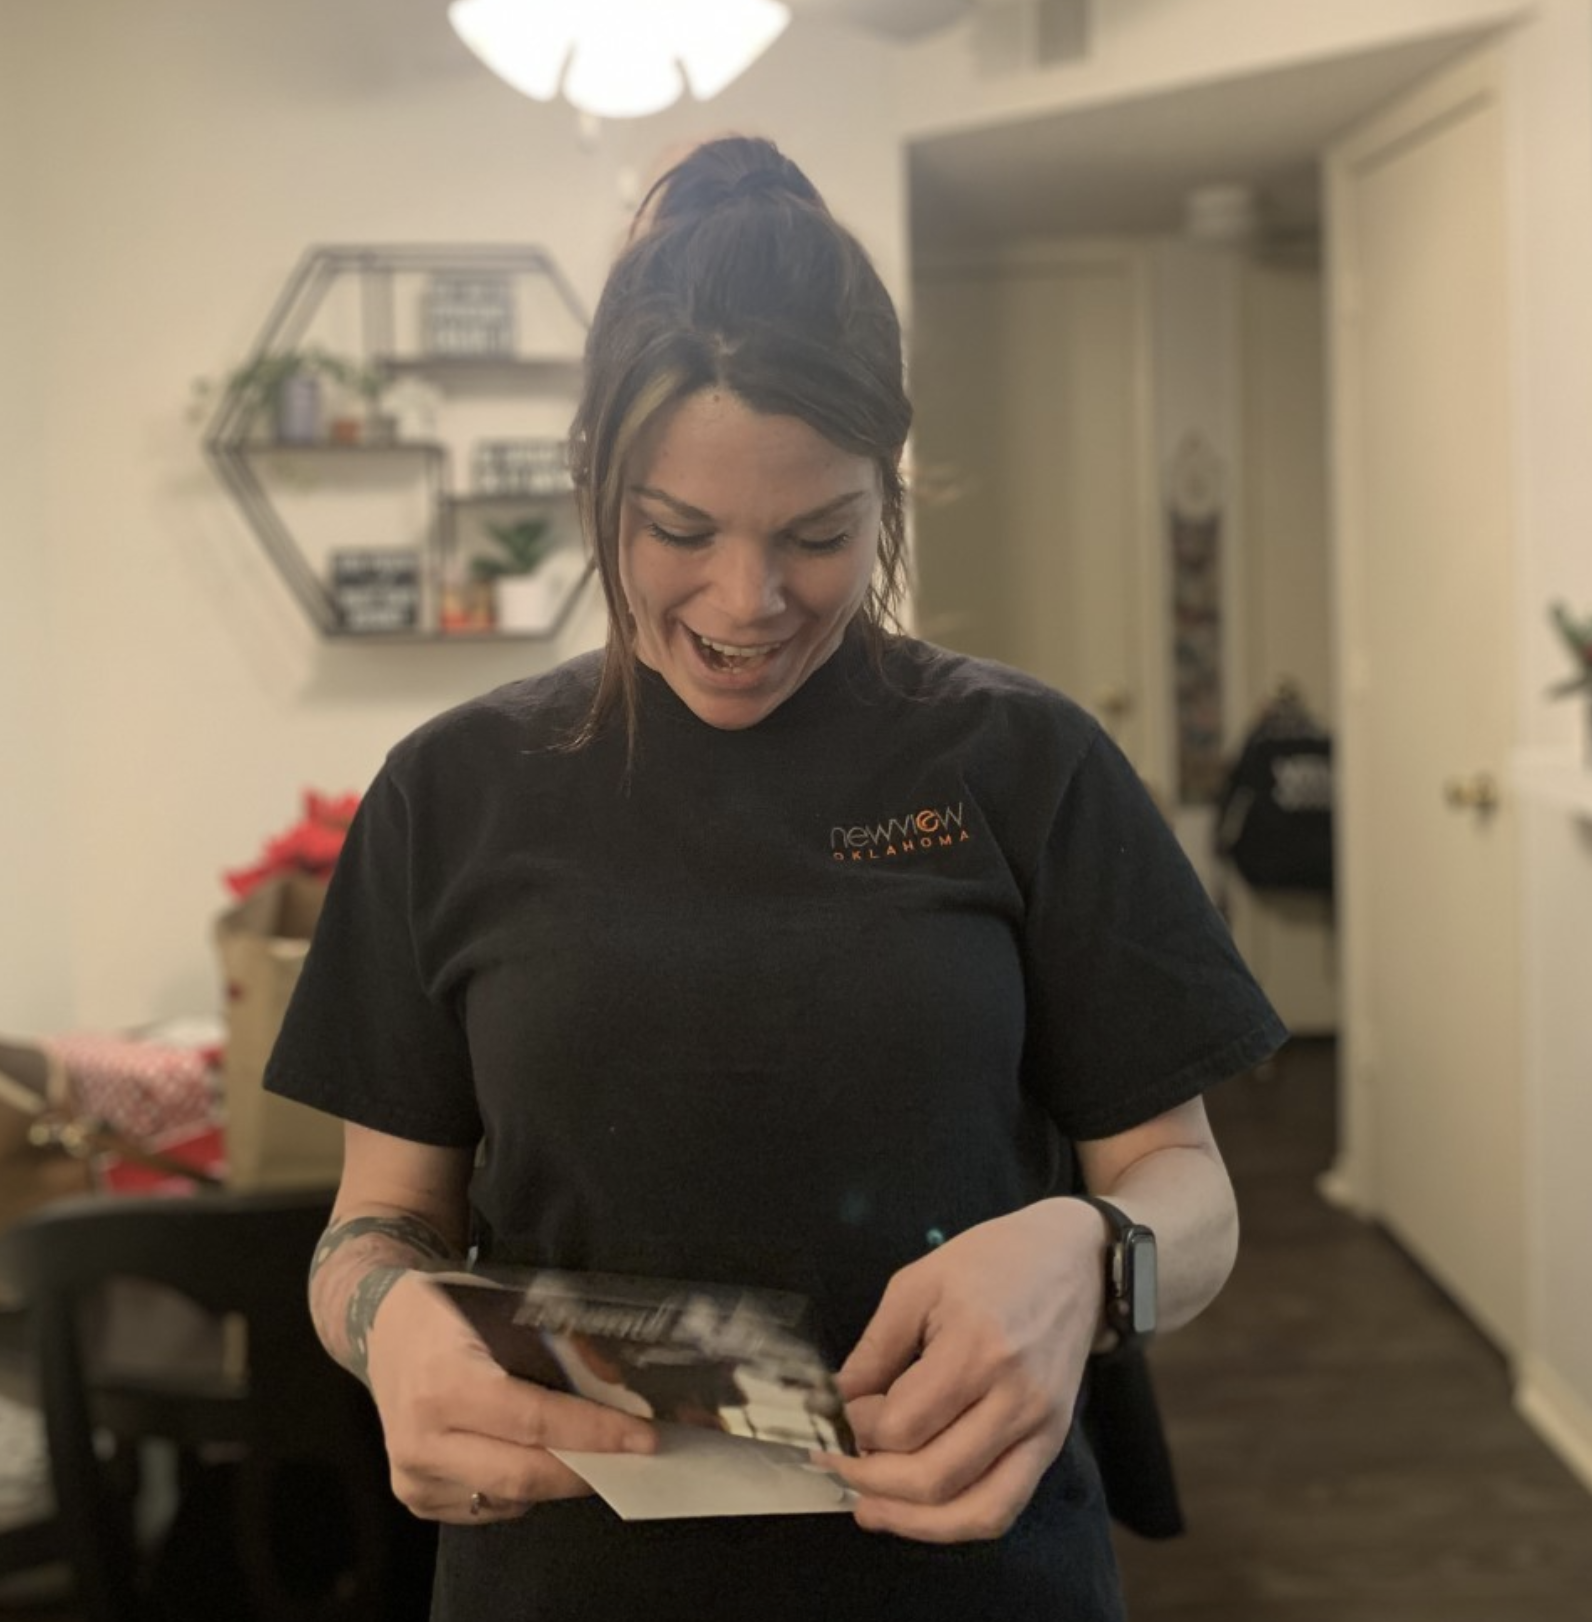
915 834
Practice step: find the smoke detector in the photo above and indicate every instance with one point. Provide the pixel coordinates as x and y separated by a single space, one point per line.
1018 36
1227 216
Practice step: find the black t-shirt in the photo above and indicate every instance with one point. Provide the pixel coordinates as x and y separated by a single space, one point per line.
785 1006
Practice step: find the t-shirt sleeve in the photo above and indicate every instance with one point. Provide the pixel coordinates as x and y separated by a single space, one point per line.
366 1037
1137 996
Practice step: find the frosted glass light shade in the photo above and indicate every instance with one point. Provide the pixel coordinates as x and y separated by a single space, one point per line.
625 68
718 40
525 44
618 58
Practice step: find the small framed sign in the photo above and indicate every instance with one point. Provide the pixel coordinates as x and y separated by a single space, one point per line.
519 467
377 590
470 317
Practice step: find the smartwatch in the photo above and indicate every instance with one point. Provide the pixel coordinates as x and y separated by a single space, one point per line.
1130 1273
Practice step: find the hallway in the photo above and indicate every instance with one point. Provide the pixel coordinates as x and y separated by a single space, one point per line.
1344 1439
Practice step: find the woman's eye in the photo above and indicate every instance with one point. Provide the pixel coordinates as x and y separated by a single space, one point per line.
828 543
671 537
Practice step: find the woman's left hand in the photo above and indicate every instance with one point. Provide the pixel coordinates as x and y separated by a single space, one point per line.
962 1387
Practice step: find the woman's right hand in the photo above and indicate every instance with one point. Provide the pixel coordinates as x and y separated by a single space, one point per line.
458 1425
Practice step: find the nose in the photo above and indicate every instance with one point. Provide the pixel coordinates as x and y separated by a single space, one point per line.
748 581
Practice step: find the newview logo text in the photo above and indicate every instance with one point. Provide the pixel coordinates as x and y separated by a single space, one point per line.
911 835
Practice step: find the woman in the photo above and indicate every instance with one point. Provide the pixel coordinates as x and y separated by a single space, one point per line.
768 948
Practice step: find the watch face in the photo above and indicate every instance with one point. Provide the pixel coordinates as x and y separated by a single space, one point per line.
1139 1279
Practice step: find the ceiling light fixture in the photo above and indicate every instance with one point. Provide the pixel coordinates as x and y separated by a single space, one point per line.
618 58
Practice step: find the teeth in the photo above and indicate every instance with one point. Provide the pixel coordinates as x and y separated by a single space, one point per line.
729 652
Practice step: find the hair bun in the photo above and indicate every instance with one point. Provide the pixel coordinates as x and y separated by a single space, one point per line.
722 173
769 182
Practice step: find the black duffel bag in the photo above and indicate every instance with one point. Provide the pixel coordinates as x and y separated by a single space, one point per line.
1274 818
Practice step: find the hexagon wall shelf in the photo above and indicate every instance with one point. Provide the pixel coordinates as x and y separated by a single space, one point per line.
442 380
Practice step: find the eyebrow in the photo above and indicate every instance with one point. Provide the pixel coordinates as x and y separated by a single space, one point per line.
686 510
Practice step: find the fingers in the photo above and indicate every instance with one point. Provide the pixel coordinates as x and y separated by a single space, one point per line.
958 1371
457 1424
862 1414
496 1446
892 1338
969 1360
954 1458
448 1502
476 1482
984 1510
480 1509
961 1388
501 1407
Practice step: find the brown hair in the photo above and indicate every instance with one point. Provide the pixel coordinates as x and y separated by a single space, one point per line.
736 274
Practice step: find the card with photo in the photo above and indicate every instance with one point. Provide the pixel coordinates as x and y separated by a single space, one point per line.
738 1364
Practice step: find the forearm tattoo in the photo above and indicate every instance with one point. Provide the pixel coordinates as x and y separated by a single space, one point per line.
367 1295
363 1272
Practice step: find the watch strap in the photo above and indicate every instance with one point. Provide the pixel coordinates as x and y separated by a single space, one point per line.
1119 1280
1114 1214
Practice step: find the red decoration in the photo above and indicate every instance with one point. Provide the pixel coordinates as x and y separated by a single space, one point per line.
311 846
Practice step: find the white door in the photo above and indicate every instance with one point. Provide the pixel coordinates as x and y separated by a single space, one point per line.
1418 228
1035 518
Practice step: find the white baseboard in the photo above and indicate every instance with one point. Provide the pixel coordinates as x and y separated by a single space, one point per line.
1340 1186
1560 1415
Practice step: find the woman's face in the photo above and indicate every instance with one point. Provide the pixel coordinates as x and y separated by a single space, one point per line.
746 544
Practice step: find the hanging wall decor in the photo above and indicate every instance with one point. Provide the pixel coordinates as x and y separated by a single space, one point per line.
1194 521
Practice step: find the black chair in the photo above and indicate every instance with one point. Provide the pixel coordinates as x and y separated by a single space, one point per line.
28 1541
283 1509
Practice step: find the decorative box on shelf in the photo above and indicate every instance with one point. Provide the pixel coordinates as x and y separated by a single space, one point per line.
470 315
519 467
377 590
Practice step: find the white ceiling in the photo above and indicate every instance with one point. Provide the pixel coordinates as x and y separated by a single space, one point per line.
1129 166
896 19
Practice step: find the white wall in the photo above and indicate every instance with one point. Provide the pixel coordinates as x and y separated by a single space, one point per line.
1285 504
1289 939
1551 177
1143 46
35 976
170 162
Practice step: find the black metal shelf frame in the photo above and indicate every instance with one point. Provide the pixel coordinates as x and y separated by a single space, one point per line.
234 454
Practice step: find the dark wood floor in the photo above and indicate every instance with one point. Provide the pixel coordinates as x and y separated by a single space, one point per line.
1343 1436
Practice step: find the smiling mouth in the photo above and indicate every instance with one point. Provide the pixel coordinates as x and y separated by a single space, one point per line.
727 657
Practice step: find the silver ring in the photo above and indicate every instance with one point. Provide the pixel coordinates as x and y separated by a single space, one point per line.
477 1503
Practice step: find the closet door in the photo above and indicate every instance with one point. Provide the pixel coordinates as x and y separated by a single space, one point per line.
1036 518
1434 1116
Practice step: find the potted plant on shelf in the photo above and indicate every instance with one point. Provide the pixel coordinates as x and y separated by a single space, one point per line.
371 383
284 386
525 586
